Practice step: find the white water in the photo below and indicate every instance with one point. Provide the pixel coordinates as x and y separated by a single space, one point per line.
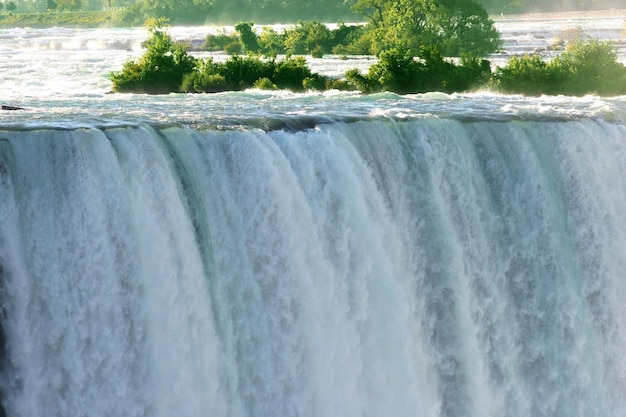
374 268
275 254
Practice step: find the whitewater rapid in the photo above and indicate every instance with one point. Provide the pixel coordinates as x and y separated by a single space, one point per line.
394 267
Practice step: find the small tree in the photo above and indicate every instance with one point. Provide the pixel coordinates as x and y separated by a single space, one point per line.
161 68
271 43
527 74
591 66
309 37
453 27
11 6
585 67
247 37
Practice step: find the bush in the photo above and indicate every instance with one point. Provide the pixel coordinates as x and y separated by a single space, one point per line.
247 37
290 73
398 71
308 36
204 83
271 43
233 48
160 70
241 73
315 82
317 52
590 67
219 42
265 84
585 67
527 74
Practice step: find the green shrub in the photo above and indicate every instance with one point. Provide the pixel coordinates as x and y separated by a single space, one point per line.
527 74
398 71
317 52
233 48
219 42
265 84
361 82
585 67
290 73
160 69
315 82
271 43
308 36
247 37
360 43
204 83
590 67
241 73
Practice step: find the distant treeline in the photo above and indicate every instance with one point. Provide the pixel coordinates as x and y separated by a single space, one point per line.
291 11
269 11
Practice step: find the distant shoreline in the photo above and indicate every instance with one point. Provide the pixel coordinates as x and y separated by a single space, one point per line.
585 14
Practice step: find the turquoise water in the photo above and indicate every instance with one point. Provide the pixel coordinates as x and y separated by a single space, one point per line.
277 254
384 266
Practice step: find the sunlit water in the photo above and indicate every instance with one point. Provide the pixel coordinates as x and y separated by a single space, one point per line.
270 254
65 72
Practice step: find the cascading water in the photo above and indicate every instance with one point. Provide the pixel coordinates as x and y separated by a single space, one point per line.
381 267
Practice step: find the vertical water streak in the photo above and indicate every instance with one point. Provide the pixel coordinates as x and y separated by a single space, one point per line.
181 345
72 331
7 212
361 245
427 267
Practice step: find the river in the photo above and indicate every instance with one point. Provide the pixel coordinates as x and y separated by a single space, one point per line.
253 254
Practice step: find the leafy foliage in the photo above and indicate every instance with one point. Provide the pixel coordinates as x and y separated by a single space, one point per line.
398 71
247 37
271 42
452 27
528 74
305 38
160 69
585 67
166 67
220 42
178 11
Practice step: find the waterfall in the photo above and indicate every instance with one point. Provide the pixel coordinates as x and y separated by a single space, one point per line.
425 267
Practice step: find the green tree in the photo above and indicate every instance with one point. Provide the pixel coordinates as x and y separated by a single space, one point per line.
161 68
177 11
590 66
308 37
528 74
10 6
247 37
585 67
271 42
398 71
452 27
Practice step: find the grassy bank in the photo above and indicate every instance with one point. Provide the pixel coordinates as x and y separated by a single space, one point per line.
112 18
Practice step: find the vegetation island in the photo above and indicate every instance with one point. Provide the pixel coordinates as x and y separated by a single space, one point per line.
419 45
